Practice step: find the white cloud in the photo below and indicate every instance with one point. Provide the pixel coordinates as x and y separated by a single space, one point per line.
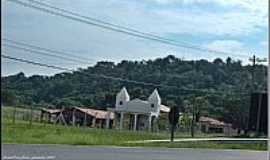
165 20
237 48
199 22
264 44
240 16
255 5
228 46
164 1
89 41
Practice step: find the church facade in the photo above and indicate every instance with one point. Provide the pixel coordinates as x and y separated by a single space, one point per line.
137 114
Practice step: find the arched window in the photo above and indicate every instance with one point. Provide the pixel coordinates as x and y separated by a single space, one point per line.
152 105
121 103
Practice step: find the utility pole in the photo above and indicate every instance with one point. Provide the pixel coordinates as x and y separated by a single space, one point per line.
193 99
254 60
192 124
193 116
173 119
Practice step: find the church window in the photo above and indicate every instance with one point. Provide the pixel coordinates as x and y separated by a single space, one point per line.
121 103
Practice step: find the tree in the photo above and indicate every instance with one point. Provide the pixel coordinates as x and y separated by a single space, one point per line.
229 61
236 111
8 98
185 121
196 106
66 103
218 61
83 88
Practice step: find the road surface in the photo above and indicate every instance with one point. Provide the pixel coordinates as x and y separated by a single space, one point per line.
69 152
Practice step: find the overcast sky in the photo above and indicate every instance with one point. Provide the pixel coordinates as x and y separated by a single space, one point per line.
233 26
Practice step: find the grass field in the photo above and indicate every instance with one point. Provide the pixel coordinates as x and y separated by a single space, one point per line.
21 132
38 133
22 113
214 145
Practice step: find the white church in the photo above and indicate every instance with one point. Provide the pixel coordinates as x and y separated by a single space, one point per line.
137 114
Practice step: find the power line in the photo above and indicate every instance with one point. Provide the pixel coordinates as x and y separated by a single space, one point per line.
111 77
118 26
43 53
65 58
71 70
113 27
36 63
16 62
88 22
81 59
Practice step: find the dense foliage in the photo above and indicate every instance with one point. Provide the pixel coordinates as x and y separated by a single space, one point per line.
223 87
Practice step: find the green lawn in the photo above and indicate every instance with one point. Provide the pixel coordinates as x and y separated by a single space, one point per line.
259 146
38 133
22 112
21 132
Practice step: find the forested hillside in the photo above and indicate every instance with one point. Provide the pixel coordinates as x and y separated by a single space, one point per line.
220 89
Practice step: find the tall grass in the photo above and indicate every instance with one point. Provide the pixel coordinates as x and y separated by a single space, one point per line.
21 132
261 146
38 133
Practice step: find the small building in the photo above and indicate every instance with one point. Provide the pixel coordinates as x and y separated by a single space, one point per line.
137 114
78 116
211 125
49 114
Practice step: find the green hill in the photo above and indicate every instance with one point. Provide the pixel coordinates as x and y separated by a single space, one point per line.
223 86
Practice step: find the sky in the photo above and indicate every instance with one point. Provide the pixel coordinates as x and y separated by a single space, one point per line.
231 26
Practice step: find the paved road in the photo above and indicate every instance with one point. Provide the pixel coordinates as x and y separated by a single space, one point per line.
68 152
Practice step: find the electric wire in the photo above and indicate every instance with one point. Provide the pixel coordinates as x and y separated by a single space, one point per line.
112 27
111 77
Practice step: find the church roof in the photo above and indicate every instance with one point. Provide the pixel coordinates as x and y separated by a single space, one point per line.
154 96
123 94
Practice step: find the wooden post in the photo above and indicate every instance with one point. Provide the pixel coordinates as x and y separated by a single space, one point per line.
31 116
94 122
149 123
44 115
193 118
84 121
60 118
49 118
63 119
135 122
14 115
121 120
130 122
41 116
108 120
258 116
73 117
114 123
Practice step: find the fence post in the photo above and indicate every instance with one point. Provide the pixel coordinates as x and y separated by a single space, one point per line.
84 121
31 115
14 115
